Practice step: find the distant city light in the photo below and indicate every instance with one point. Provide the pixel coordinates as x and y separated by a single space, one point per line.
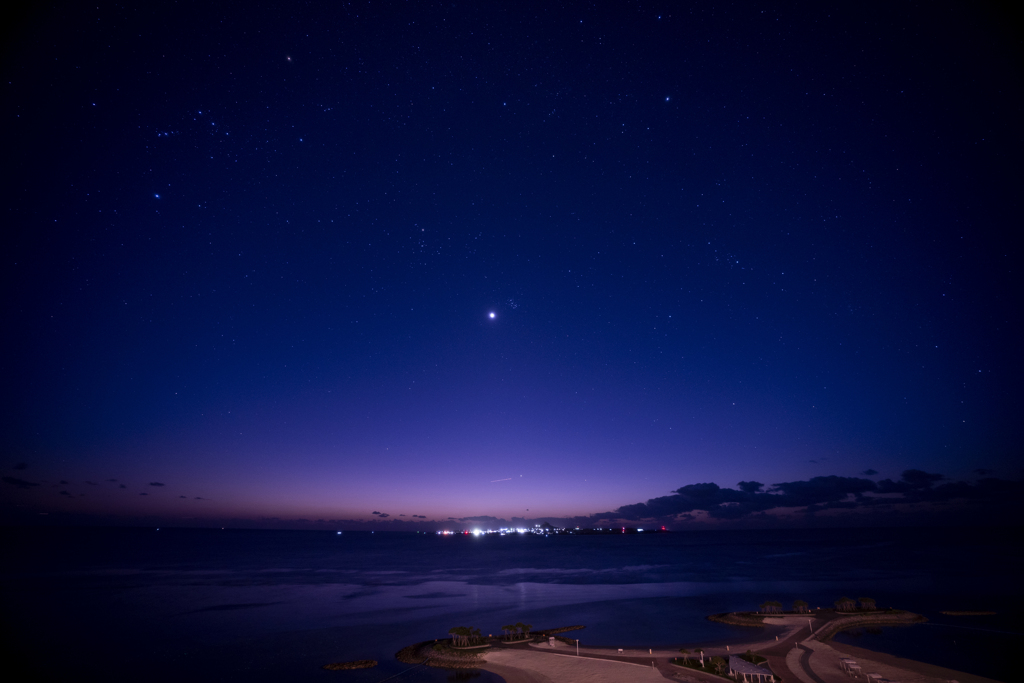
545 530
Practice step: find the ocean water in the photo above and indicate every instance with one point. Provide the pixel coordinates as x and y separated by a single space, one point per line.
201 604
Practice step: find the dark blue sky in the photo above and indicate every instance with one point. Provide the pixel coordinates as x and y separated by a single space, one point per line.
251 255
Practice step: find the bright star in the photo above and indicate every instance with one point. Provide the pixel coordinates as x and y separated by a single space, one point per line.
491 316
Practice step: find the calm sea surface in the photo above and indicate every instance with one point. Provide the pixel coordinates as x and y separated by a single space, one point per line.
213 605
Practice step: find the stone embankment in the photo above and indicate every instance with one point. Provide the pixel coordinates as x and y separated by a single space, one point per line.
886 618
440 655
739 619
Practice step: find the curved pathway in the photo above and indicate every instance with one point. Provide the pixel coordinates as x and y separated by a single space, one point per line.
795 657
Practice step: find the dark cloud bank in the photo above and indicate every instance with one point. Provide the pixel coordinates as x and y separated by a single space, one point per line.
916 498
915 489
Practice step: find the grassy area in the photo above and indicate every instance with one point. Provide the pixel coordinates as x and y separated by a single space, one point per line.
692 663
753 658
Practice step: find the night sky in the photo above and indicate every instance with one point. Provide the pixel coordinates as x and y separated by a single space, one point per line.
408 262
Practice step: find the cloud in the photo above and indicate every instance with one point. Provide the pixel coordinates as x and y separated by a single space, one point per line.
482 518
707 496
911 480
123 486
982 472
199 498
112 480
919 479
155 483
810 496
182 496
375 512
384 514
65 493
869 472
143 494
91 483
20 483
818 490
420 516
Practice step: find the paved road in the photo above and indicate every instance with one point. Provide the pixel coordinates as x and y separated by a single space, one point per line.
780 657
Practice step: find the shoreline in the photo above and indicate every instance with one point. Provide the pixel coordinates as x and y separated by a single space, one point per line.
798 656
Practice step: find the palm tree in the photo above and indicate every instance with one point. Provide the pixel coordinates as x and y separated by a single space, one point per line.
686 655
520 627
461 635
507 630
867 603
800 606
526 628
719 664
845 604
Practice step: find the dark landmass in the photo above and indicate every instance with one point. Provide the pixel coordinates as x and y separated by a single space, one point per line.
889 617
739 619
967 613
552 631
345 666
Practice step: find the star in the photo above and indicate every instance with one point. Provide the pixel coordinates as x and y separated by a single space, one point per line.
491 315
